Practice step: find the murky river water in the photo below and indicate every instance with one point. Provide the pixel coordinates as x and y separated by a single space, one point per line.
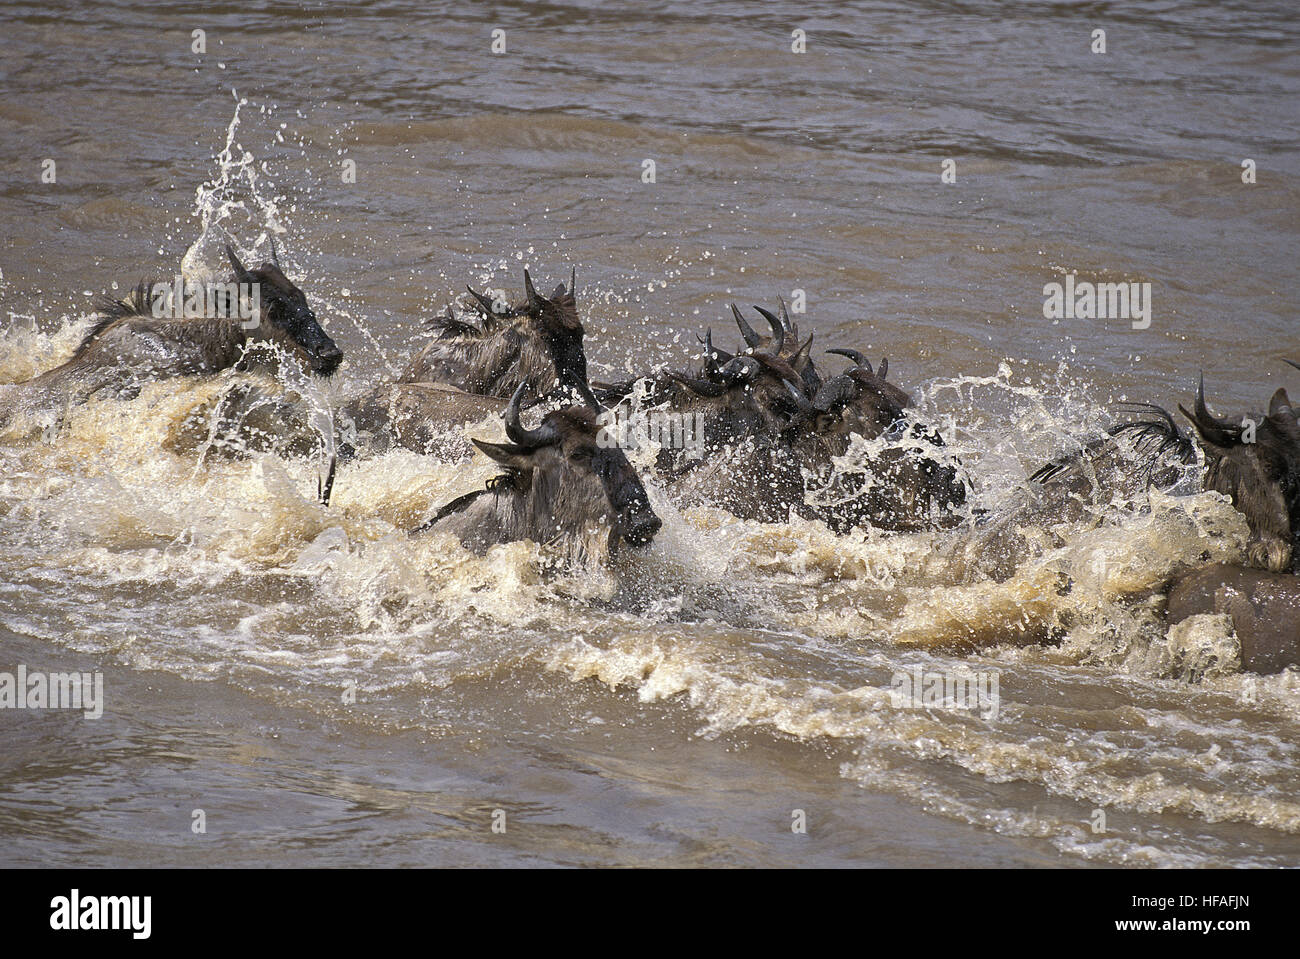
328 690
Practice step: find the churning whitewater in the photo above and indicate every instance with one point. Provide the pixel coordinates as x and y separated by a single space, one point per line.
331 604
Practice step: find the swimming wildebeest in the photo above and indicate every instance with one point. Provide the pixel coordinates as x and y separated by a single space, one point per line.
1261 473
772 430
910 483
562 486
424 416
1254 460
467 372
132 343
1257 466
537 342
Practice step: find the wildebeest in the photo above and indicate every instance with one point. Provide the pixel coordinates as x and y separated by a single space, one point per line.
423 416
1261 473
562 486
774 431
908 483
537 342
1254 460
130 345
467 372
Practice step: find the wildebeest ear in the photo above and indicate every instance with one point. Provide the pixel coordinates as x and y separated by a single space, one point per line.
1280 405
507 454
566 309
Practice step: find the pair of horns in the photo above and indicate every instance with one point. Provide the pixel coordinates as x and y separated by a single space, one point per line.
752 339
1224 432
535 300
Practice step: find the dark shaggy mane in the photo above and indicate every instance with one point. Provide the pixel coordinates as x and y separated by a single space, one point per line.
1156 435
111 310
1153 436
447 327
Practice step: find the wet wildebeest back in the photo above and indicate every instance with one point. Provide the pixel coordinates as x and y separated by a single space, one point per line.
907 485
129 346
562 486
535 344
421 417
1264 608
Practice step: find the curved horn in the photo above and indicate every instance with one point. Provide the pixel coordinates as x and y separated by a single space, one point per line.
856 357
778 331
1202 411
801 356
241 271
1210 429
747 331
573 280
1292 363
700 387
484 304
518 433
834 394
737 370
884 367
785 318
800 401
275 254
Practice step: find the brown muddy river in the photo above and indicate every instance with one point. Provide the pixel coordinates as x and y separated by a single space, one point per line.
328 690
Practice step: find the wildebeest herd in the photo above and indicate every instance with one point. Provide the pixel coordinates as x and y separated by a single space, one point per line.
780 434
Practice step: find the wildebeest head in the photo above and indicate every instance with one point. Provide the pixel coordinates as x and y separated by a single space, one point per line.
903 483
555 320
1260 473
751 392
562 480
285 318
522 343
